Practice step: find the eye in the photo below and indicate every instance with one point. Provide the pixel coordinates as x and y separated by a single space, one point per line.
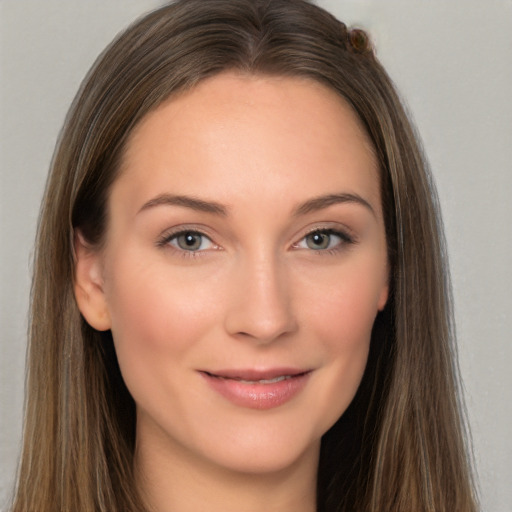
324 239
191 241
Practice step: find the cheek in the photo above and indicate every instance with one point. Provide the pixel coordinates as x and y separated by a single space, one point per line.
157 318
344 326
341 318
343 306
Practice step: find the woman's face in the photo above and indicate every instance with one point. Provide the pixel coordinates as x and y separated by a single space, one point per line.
244 264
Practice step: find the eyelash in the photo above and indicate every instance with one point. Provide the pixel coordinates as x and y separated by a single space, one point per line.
344 236
165 242
345 240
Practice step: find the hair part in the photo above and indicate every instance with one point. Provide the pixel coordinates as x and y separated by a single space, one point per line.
400 446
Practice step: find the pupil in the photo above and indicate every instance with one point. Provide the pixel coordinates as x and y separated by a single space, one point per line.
189 241
319 241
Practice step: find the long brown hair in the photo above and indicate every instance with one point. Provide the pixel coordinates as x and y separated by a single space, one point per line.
401 445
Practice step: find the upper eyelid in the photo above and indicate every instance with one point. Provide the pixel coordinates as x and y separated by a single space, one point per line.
333 227
345 237
171 234
324 229
187 228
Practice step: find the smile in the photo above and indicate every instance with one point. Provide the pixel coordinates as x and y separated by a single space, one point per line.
257 389
264 381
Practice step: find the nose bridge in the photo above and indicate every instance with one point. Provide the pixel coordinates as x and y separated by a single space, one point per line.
261 306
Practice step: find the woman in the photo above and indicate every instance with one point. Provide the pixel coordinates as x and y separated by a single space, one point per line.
240 294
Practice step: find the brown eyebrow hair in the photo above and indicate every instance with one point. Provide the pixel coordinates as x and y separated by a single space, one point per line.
321 202
187 202
311 205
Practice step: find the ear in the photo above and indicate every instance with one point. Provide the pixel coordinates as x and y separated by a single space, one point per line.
383 297
88 285
384 291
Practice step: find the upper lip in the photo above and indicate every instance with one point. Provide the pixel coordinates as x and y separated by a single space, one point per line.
252 374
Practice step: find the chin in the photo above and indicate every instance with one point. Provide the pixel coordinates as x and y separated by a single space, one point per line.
268 460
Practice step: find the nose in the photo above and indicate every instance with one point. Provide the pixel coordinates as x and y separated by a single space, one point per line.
261 302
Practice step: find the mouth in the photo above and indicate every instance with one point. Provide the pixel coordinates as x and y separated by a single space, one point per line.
264 381
258 389
251 376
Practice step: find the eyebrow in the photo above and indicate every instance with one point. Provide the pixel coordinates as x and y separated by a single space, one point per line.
310 206
185 201
321 202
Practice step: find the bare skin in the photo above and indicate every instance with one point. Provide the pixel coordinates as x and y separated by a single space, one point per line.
244 265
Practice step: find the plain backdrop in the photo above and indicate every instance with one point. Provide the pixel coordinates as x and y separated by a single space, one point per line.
451 61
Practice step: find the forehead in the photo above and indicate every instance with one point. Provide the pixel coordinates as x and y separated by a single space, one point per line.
228 92
247 133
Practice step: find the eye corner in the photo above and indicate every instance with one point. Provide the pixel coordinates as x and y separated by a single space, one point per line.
325 240
187 242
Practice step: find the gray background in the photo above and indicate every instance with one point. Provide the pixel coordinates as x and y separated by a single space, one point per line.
452 62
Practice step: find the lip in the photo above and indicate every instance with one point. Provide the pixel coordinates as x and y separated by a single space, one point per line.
257 389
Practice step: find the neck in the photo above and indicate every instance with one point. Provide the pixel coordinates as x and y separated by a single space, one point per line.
177 481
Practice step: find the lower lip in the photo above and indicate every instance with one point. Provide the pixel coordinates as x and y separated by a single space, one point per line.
257 395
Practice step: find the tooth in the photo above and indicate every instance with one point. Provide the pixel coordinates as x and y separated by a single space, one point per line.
266 381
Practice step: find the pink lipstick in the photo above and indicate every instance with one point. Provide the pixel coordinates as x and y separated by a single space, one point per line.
257 389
